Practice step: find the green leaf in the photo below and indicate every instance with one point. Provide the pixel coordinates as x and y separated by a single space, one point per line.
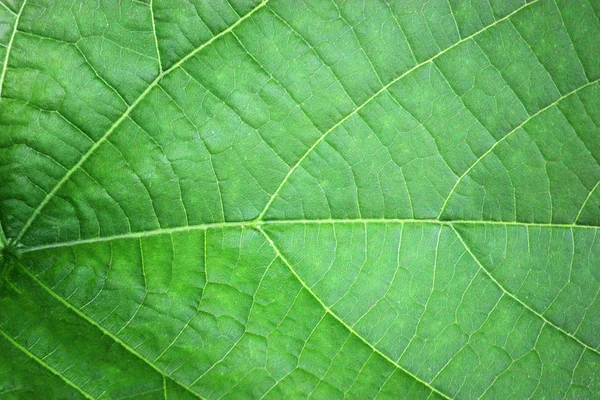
282 199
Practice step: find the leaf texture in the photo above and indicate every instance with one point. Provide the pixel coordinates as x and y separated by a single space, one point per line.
278 199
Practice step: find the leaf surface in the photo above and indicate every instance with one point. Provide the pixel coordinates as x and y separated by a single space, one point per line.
285 199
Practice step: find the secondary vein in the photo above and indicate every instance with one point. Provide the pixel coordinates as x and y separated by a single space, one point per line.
44 364
515 129
376 94
81 314
341 321
511 295
3 240
9 47
123 117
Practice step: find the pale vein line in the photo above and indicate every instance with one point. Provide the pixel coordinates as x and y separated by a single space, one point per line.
421 221
257 224
124 116
589 196
590 348
100 327
10 42
160 67
7 8
163 231
45 365
376 94
577 56
341 321
460 178
3 240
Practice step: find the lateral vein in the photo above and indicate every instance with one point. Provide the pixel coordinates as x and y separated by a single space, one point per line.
348 327
3 240
511 295
44 364
124 116
9 47
376 94
81 314
488 151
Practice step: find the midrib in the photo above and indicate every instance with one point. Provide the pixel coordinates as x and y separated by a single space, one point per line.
123 117
175 66
257 224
